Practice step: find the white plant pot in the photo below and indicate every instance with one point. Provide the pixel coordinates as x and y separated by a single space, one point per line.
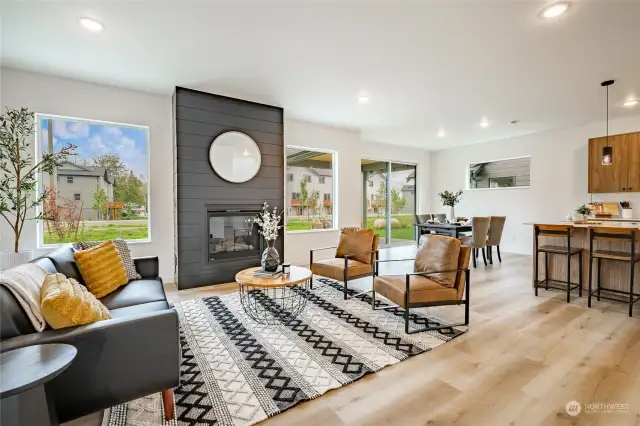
627 213
10 260
577 217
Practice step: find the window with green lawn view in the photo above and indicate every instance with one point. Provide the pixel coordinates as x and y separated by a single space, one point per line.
102 191
310 188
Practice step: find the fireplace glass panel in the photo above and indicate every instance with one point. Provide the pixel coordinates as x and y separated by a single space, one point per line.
232 236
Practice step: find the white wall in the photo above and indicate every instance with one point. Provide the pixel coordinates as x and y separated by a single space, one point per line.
51 95
559 182
350 150
58 96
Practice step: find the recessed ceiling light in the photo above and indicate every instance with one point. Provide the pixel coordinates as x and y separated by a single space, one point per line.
363 98
554 10
441 133
484 123
631 102
91 24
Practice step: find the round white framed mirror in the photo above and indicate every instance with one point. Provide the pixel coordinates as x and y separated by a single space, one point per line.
235 157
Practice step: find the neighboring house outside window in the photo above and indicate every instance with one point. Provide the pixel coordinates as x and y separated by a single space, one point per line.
312 173
106 179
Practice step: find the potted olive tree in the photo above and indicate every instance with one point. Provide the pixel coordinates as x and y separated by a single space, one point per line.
18 173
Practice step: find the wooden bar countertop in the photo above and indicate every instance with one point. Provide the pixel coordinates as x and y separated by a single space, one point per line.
615 275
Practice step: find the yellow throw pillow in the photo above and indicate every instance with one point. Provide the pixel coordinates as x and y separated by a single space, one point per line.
66 303
101 269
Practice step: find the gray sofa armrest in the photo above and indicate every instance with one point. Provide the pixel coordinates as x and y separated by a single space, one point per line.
147 267
118 360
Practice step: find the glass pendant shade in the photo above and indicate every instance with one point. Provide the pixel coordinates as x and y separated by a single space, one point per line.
607 155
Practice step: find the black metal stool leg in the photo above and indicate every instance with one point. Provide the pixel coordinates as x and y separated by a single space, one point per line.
569 276
498 250
484 258
580 273
633 267
546 271
590 275
599 276
535 267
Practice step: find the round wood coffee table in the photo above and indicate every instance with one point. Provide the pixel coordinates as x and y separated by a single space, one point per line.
271 301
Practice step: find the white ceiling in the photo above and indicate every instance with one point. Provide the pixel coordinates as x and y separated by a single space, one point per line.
426 64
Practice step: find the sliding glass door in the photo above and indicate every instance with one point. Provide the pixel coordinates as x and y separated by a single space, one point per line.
389 200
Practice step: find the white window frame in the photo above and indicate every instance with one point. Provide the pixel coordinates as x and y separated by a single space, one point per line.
38 156
507 188
69 179
334 190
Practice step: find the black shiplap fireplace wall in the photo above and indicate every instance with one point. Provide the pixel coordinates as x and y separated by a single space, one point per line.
199 118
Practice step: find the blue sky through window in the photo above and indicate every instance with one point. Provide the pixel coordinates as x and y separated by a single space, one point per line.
92 139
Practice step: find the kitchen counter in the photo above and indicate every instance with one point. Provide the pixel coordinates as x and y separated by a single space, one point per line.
615 275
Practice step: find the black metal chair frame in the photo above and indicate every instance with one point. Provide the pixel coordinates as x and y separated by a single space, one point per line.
407 298
346 276
569 286
631 261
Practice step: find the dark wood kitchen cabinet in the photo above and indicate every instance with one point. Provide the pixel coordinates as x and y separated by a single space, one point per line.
623 175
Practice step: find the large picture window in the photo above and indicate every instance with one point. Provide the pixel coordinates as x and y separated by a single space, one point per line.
309 193
101 192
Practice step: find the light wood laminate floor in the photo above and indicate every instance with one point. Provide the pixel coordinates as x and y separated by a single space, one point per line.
522 360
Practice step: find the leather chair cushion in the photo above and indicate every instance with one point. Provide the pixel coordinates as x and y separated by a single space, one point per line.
358 243
438 253
136 292
334 268
422 289
13 319
145 308
62 259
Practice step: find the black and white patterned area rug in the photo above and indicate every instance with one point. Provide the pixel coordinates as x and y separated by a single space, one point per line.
238 372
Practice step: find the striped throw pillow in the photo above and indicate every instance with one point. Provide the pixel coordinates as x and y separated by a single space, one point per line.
123 250
101 269
65 303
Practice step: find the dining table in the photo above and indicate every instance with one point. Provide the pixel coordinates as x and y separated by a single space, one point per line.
449 229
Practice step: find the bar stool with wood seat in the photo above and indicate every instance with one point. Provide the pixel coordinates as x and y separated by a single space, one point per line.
631 257
557 231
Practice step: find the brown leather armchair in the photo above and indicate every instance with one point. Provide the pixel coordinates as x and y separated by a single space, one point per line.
351 265
423 289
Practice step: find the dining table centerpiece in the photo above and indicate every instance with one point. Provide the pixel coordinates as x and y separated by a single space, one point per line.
269 222
450 199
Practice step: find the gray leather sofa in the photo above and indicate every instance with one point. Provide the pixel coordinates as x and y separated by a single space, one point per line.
136 353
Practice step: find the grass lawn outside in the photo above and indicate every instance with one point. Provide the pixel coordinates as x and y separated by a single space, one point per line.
405 232
102 233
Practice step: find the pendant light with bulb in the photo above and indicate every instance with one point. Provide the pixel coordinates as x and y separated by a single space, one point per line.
607 151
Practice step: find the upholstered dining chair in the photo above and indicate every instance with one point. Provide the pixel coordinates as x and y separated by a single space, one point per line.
478 238
355 255
496 226
440 277
422 218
